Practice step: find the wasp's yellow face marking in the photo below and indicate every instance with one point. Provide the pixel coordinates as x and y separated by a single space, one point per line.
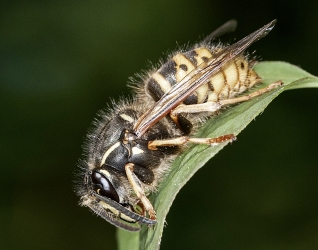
105 172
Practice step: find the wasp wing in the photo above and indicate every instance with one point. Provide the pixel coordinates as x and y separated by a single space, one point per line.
228 27
196 78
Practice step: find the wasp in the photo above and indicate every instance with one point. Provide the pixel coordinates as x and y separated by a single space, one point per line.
129 150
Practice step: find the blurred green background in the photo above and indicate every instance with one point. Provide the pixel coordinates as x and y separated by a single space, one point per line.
61 62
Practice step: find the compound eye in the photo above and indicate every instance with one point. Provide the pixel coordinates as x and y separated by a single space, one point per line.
103 186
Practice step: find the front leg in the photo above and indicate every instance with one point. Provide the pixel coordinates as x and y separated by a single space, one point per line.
139 190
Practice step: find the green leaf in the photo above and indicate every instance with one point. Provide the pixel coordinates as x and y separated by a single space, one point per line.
292 76
231 121
127 240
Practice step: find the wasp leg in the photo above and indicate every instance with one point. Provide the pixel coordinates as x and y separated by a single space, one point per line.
215 106
138 188
183 124
179 141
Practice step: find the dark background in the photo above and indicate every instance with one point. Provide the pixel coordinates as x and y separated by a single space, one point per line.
62 62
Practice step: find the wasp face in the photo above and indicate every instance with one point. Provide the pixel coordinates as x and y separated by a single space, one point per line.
97 181
101 195
114 152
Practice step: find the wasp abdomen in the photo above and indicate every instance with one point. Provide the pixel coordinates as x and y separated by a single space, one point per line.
234 78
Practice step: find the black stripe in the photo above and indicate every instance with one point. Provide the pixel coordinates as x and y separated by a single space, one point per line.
168 71
154 89
191 99
191 55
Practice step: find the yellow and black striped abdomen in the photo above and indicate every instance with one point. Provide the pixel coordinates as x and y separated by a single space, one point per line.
234 78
